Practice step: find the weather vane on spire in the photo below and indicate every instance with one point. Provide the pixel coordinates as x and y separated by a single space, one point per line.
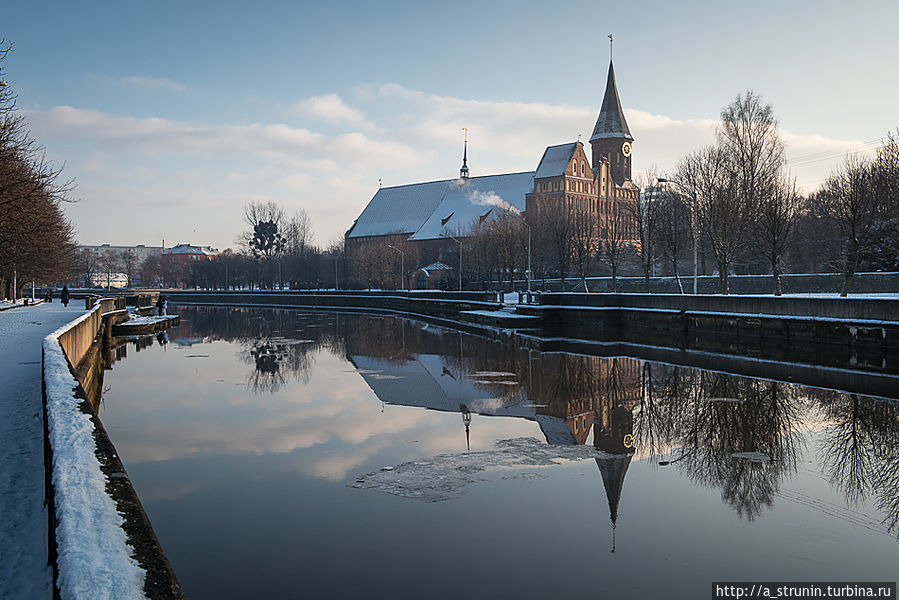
610 47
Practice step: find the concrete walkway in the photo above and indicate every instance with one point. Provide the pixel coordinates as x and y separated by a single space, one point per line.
24 572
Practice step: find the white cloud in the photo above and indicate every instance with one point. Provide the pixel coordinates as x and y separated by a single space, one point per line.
412 136
330 107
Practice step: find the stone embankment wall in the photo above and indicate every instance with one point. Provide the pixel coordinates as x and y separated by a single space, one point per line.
798 283
832 331
102 543
446 305
828 331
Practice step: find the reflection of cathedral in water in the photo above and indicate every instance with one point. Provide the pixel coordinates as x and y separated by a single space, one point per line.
570 397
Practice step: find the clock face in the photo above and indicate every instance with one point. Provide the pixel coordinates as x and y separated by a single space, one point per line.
626 148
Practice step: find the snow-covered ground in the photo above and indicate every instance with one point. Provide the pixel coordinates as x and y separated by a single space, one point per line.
23 516
7 304
93 556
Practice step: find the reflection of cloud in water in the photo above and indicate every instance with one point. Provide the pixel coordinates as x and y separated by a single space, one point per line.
334 411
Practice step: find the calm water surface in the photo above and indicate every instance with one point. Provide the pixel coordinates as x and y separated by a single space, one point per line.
284 454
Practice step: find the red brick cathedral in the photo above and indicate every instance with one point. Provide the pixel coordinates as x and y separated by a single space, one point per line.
595 190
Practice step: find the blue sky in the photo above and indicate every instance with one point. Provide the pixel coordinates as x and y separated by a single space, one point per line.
172 116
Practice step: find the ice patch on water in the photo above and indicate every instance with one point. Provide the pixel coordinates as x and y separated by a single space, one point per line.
493 374
756 457
446 476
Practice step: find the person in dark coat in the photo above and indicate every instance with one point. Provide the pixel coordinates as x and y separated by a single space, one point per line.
65 295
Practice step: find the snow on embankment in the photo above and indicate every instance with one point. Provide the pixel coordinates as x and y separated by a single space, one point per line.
94 560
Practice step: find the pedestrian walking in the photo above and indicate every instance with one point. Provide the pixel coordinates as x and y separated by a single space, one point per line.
65 295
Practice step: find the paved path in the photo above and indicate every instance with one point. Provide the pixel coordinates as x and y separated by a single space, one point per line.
23 517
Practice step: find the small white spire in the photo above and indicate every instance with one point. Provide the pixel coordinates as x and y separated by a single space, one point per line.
463 172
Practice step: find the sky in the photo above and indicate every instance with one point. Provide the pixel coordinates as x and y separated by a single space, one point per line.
172 116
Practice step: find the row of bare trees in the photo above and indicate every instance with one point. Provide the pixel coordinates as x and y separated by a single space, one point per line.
36 239
736 201
278 251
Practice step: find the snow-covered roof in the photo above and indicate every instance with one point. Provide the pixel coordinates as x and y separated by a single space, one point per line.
555 160
188 249
437 266
466 200
399 209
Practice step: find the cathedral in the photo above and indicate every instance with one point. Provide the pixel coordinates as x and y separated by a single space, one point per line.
427 214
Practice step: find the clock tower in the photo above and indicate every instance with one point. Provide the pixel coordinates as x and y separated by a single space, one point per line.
611 139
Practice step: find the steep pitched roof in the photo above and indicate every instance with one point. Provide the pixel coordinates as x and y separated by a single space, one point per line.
555 160
466 200
611 122
399 209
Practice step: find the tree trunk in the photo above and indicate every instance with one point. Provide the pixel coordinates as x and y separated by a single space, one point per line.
776 273
723 283
849 270
847 281
680 286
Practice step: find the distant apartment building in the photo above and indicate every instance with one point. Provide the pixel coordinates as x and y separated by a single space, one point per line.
113 265
140 251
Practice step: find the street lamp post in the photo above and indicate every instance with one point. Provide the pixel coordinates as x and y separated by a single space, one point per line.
694 226
402 266
446 235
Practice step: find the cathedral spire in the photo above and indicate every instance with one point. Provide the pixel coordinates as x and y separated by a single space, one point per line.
611 122
463 172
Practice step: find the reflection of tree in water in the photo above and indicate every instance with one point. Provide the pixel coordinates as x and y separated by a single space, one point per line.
277 361
710 417
663 400
764 422
860 450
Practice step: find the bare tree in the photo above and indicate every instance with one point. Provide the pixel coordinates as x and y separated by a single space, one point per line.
613 236
86 266
583 230
298 233
149 271
778 214
645 213
509 241
674 229
732 178
108 261
128 262
849 199
265 239
552 226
